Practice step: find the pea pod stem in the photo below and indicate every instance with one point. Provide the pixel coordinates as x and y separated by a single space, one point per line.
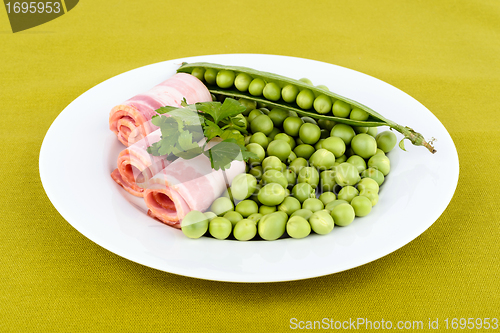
375 119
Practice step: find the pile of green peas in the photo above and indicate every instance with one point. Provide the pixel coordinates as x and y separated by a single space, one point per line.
275 90
308 177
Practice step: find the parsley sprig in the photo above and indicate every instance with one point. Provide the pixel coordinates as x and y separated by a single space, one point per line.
186 126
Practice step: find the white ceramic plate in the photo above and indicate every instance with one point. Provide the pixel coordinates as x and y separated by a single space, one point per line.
79 153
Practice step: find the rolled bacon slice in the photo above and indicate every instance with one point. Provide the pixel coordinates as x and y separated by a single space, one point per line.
187 185
135 166
129 120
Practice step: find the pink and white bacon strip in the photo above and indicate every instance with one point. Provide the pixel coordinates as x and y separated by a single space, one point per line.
187 185
136 166
129 120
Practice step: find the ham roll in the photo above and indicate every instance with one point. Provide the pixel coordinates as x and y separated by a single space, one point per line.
187 185
130 120
135 166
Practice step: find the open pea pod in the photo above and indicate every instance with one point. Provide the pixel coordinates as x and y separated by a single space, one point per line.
374 119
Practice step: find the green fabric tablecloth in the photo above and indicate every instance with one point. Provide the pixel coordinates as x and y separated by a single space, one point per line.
446 54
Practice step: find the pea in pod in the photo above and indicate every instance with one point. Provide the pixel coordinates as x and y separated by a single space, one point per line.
300 101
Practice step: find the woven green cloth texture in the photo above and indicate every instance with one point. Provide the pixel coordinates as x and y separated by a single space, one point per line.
446 54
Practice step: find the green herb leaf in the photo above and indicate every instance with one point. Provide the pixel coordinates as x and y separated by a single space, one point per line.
165 109
229 134
212 130
223 153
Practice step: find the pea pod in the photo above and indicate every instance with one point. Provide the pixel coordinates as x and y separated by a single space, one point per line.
374 119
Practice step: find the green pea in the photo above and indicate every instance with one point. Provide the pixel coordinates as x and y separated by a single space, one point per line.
233 217
254 114
298 141
264 210
381 163
194 224
297 164
343 131
278 116
279 148
291 125
386 141
372 131
322 86
364 145
332 204
210 75
262 124
272 226
341 159
324 134
380 151
257 150
341 109
343 214
225 78
309 120
271 163
257 172
199 73
309 175
327 179
271 194
309 133
245 230
298 227
248 104
256 87
305 213
313 204
370 194
373 174
291 177
243 186
221 206
326 124
349 152
358 114
323 104
367 183
327 197
287 138
306 81
291 157
260 138
358 162
321 222
272 91
247 208
264 110
335 145
304 151
274 176
289 205
362 206
360 129
289 93
319 144
242 81
305 99
220 228
273 134
322 159
255 217
348 193
303 191
210 215
346 174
